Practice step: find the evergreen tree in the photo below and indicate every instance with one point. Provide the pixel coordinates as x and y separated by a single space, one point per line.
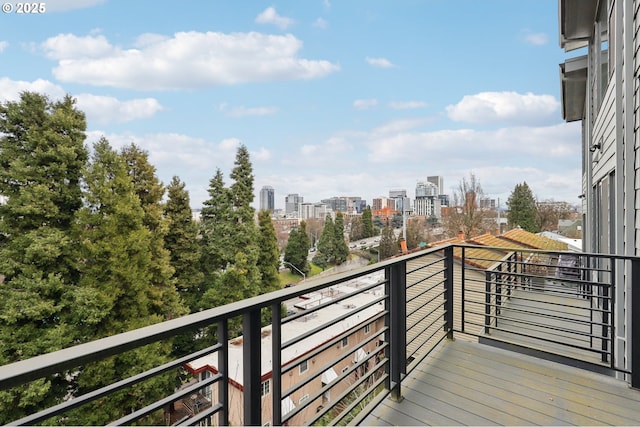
216 230
269 256
117 271
297 249
341 250
181 240
367 223
388 243
522 208
42 155
229 237
326 245
356 231
150 191
244 227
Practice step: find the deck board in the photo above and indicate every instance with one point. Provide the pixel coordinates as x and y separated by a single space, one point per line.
467 383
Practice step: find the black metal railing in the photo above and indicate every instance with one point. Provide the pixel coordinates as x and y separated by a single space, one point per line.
346 341
559 303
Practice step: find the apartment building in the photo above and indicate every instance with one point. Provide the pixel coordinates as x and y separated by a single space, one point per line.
351 331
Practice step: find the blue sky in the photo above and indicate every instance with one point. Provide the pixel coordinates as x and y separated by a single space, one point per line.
332 98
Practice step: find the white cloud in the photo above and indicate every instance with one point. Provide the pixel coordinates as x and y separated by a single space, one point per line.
65 46
185 61
10 89
270 16
492 107
407 105
243 111
379 62
512 146
3 45
364 104
398 125
536 39
262 155
320 23
107 109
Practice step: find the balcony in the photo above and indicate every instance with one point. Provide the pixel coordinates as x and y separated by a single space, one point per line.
450 335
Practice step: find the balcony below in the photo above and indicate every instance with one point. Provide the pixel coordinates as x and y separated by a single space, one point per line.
468 383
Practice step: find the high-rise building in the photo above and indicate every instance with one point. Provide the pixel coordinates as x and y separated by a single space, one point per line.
426 189
427 201
292 204
267 199
380 203
438 181
403 203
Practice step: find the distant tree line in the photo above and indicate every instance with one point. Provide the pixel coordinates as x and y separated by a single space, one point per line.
89 249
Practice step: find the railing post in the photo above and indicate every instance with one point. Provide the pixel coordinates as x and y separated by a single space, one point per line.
252 367
276 356
635 328
448 291
223 369
396 289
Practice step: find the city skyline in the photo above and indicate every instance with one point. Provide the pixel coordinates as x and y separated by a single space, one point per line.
330 98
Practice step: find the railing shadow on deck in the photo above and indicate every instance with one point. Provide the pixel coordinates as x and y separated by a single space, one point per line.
347 341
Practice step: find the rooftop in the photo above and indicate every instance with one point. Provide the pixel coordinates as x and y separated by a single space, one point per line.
303 324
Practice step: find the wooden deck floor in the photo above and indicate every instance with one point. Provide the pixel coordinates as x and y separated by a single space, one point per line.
467 383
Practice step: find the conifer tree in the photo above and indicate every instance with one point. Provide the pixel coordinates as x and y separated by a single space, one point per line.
117 271
367 223
341 250
216 229
297 249
42 155
162 293
326 245
244 225
268 256
181 240
522 208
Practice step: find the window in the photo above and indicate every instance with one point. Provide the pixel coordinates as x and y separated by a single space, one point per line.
207 390
265 387
303 399
345 341
303 366
367 328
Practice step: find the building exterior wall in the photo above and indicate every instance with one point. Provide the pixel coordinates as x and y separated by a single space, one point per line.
332 356
611 142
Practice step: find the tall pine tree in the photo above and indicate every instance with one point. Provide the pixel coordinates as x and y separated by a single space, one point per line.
367 223
229 234
268 256
522 208
341 250
326 244
297 249
117 271
181 240
42 155
162 293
